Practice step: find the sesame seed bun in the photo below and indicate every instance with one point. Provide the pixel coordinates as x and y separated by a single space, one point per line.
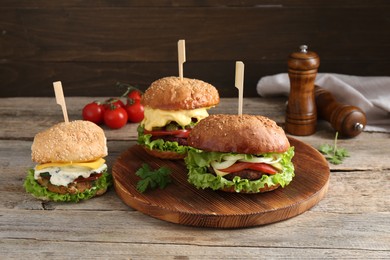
76 141
246 134
242 134
173 93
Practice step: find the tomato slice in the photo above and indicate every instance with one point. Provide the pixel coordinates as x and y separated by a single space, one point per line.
92 177
183 133
261 167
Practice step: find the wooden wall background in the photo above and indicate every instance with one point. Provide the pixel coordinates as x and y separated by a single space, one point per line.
90 45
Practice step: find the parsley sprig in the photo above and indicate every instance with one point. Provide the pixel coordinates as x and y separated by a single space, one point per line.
334 154
152 178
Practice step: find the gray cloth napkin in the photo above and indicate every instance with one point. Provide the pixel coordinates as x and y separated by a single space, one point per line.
371 94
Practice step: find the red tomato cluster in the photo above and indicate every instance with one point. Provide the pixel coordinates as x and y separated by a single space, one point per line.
113 112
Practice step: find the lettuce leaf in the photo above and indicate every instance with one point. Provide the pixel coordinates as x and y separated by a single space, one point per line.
198 162
159 144
40 192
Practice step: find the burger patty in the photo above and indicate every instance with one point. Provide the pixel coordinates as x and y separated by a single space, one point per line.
179 140
244 174
72 188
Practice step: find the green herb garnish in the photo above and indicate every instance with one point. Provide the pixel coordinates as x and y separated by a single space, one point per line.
152 179
333 154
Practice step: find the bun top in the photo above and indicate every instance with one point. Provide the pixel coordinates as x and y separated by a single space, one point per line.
172 93
76 141
246 134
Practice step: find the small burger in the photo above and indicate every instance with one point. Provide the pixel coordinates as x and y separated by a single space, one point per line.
70 165
172 107
239 153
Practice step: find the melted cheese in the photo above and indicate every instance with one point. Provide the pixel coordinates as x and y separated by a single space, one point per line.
91 165
62 176
160 118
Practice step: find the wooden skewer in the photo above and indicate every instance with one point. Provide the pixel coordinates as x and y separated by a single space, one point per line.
60 99
181 49
240 84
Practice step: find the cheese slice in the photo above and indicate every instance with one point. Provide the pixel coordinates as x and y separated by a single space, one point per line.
160 118
62 176
92 165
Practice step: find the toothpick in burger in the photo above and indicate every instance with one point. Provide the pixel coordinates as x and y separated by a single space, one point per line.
239 153
172 107
70 165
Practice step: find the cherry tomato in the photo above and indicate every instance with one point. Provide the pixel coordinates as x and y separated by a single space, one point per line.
134 94
94 112
131 91
113 102
115 117
135 110
92 177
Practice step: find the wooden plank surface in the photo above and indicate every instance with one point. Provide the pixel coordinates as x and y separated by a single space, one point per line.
62 32
91 44
352 221
93 250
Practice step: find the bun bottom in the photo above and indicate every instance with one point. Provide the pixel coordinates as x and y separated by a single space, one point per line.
164 154
98 193
261 190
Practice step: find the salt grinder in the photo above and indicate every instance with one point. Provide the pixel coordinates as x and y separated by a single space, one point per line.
301 113
348 120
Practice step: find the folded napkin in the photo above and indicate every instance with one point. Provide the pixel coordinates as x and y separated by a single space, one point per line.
371 94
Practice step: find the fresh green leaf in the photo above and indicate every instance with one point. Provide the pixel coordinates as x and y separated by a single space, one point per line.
40 192
199 161
159 144
335 155
152 178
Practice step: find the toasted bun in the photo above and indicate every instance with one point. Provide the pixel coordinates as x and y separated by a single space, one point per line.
239 134
261 190
164 154
76 141
172 93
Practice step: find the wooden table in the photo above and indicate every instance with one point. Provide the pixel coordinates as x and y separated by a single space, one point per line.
352 221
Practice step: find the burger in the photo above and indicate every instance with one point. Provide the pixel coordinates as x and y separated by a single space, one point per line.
239 153
172 107
70 165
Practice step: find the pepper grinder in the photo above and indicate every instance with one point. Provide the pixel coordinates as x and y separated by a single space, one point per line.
301 112
348 120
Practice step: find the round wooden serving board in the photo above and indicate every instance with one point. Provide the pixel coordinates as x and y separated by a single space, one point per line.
182 203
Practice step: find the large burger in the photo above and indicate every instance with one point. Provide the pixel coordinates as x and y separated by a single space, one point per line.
239 153
70 165
172 107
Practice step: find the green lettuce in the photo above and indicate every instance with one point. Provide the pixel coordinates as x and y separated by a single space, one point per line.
198 162
40 192
159 144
